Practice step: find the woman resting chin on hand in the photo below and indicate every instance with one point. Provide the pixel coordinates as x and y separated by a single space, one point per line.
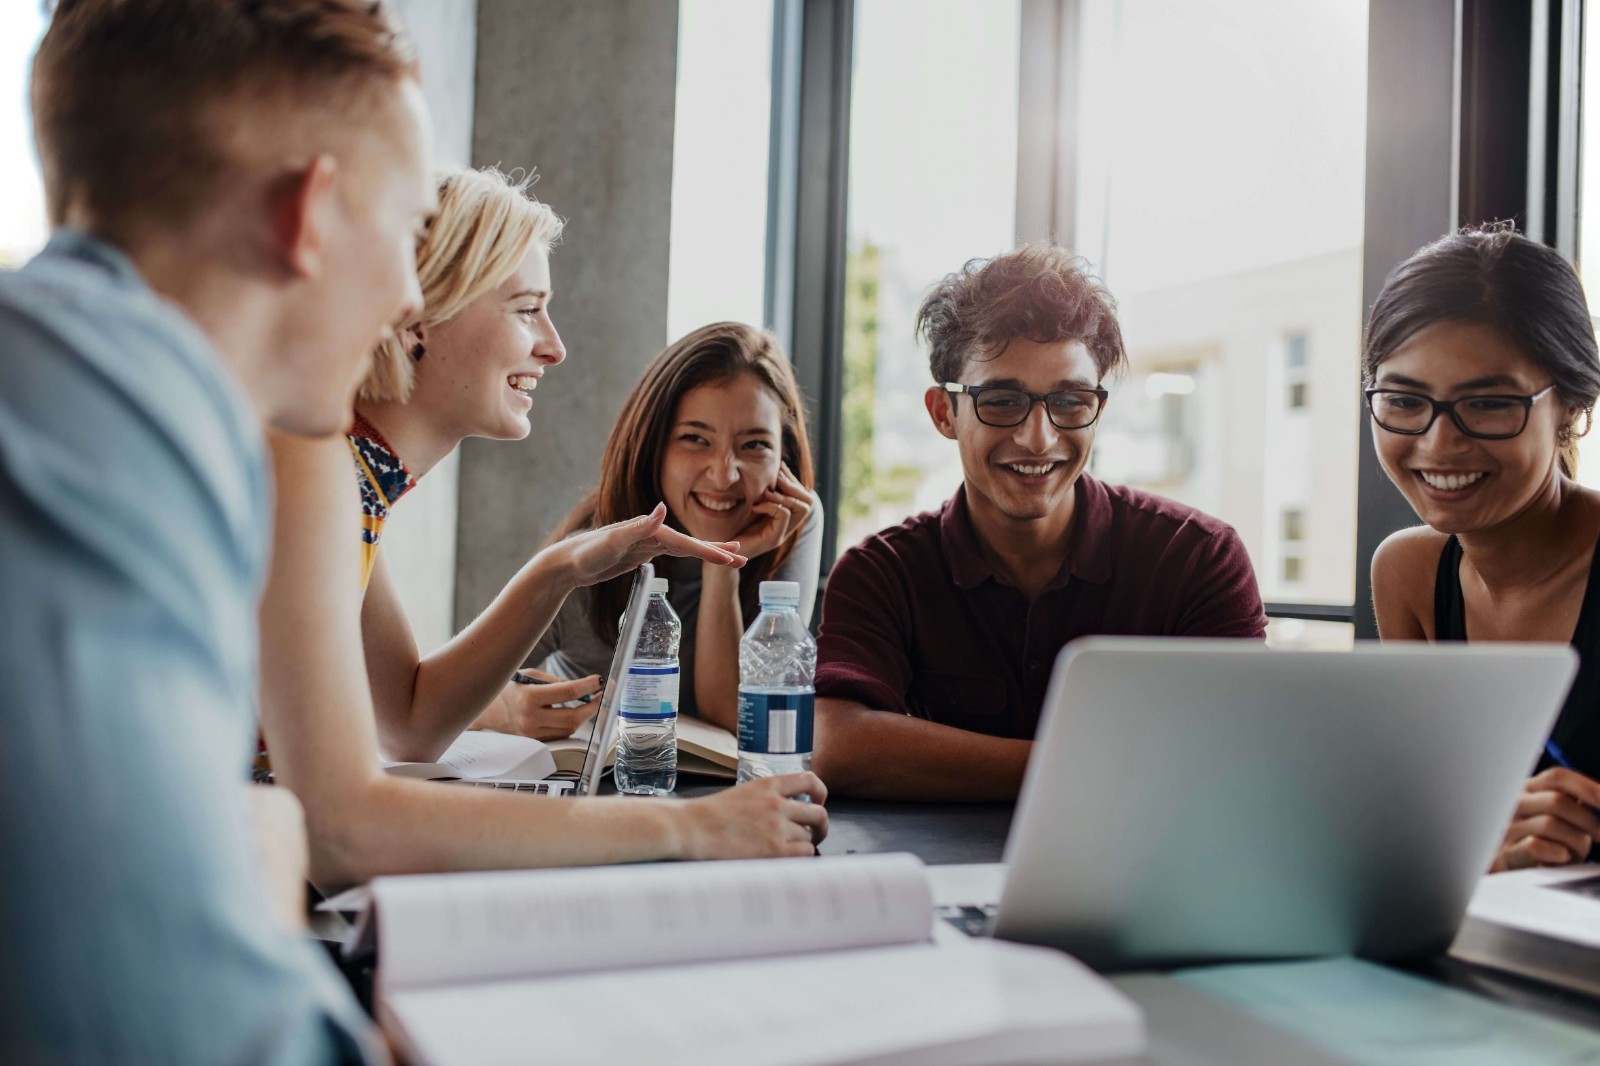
1482 372
714 430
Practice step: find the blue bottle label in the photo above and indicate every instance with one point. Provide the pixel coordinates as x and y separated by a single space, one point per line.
775 723
649 692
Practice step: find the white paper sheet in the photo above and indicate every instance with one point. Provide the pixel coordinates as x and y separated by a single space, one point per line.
893 1006
480 754
439 928
1531 900
976 884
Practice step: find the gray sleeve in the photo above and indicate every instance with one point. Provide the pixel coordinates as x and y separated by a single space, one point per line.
569 648
804 564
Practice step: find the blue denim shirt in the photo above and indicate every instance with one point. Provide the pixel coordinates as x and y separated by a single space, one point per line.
134 527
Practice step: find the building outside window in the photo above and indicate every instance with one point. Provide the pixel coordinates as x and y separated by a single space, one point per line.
1220 193
1291 545
1294 372
1156 442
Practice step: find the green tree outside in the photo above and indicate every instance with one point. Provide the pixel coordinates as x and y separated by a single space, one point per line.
866 489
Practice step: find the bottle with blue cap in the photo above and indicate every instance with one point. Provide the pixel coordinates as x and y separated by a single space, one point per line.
647 713
777 666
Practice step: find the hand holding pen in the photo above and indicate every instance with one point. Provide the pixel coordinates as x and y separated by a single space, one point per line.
1557 820
588 685
538 705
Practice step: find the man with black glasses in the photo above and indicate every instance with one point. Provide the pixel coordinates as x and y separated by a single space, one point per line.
938 635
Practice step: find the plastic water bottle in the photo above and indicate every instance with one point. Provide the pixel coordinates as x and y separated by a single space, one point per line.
647 741
777 662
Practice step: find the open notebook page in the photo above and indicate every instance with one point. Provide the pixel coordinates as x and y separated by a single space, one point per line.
437 928
480 754
911 1005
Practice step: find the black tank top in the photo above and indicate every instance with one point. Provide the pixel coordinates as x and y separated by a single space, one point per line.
1577 731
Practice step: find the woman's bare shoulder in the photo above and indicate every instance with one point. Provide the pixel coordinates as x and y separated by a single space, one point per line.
1408 558
1404 569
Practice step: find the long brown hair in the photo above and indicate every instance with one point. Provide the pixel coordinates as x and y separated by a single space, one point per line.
630 472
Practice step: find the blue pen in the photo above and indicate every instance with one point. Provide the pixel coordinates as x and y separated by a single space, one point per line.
1560 760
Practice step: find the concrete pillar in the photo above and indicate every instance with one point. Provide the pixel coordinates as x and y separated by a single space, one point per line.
583 92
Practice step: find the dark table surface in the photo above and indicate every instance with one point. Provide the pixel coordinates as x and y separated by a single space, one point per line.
1185 1025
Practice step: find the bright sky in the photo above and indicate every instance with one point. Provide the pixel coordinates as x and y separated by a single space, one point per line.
21 200
719 165
933 133
933 144
1219 137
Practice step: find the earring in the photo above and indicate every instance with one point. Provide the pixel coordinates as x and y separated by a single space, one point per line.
418 352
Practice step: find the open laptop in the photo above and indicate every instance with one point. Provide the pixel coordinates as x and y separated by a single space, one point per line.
1193 801
604 725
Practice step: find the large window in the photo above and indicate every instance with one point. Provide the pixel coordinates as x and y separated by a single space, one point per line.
719 163
933 177
1589 213
22 221
1220 194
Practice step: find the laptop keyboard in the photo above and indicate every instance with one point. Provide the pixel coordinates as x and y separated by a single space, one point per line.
537 788
973 921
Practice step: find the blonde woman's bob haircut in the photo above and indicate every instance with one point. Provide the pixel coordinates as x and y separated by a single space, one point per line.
486 223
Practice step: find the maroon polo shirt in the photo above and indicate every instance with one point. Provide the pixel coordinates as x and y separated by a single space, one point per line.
916 621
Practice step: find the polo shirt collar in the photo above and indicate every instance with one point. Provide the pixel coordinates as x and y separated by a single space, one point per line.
1089 551
1092 553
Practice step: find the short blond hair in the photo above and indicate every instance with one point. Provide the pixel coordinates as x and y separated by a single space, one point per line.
486 223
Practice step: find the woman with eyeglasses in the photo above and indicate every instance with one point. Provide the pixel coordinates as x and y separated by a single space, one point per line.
1482 373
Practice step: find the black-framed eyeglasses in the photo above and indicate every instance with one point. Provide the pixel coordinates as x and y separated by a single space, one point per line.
1484 417
997 405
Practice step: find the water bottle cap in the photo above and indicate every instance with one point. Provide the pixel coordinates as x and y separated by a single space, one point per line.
780 593
657 584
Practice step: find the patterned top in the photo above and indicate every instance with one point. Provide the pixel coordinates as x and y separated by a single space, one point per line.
384 479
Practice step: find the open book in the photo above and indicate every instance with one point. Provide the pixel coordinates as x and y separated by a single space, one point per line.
483 755
1542 923
702 749
763 963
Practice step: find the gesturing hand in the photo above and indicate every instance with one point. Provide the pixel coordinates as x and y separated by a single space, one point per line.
781 513
600 554
1555 823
